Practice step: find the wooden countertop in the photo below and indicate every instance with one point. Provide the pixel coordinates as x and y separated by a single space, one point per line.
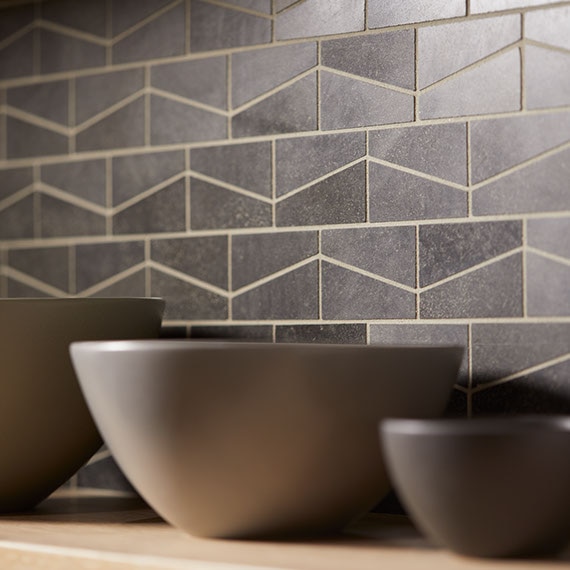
110 533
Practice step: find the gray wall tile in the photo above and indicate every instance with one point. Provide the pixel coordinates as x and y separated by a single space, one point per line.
46 100
261 6
252 333
17 58
17 220
383 14
128 13
92 18
549 26
62 53
25 139
60 218
85 179
480 6
131 286
14 179
14 18
551 235
16 289
50 265
322 334
545 67
548 293
104 474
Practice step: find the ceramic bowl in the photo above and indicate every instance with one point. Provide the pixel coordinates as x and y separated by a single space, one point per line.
46 430
489 487
243 440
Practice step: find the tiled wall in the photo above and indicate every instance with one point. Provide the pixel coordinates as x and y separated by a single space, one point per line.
318 170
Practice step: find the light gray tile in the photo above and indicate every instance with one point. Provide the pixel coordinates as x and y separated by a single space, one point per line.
49 265
17 220
383 14
14 18
261 6
551 235
14 179
63 53
85 179
369 104
549 26
90 17
280 5
17 58
25 139
59 219
480 6
246 333
322 334
397 195
547 78
492 87
548 293
131 286
45 100
127 13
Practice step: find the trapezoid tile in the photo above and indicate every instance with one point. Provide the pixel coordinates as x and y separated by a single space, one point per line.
59 219
344 333
90 18
547 78
104 474
47 264
261 6
281 5
26 140
384 14
131 286
481 6
46 100
549 26
548 290
17 58
246 333
14 179
14 18
64 53
128 13
17 220
17 290
551 235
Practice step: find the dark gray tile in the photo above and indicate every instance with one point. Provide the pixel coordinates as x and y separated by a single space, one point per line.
468 296
548 293
492 87
16 289
205 258
319 18
203 80
90 17
60 219
439 150
25 139
123 128
292 296
245 165
127 13
174 122
13 19
384 14
215 27
49 265
299 161
97 262
63 53
17 220
259 255
539 187
162 211
387 252
242 333
138 173
545 67
550 234
104 474
293 109
499 144
349 295
85 179
280 5
46 100
163 36
339 199
370 104
17 58
131 286
261 6
186 301
397 195
95 93
457 405
359 56
322 334
173 331
14 179
549 26
212 207
446 249
481 6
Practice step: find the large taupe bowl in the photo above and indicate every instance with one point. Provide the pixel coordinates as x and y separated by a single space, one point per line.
242 440
46 430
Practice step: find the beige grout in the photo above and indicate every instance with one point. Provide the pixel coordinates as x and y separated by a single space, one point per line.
522 51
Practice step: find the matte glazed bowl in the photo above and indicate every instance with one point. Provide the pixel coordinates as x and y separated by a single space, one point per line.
46 430
484 487
243 440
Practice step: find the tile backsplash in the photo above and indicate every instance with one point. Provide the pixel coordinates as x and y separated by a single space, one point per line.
352 171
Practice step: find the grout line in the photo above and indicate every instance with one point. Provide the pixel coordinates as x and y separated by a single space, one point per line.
71 116
72 270
187 193
71 199
16 197
74 33
319 86
34 283
469 170
468 8
522 51
15 36
38 121
184 101
416 76
367 176
37 52
228 186
229 104
151 264
545 254
274 333
117 278
237 8
367 331
147 109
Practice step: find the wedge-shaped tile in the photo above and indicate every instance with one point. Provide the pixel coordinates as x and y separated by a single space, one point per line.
280 5
14 18
212 207
59 218
14 179
446 249
439 150
492 87
548 292
387 252
549 26
322 334
259 255
47 264
538 187
46 100
255 333
293 109
480 6
17 58
17 220
469 296
261 6
103 474
339 199
369 104
383 14
130 286
292 296
547 78
350 295
550 234
397 195
63 53
127 13
90 18
15 290
25 139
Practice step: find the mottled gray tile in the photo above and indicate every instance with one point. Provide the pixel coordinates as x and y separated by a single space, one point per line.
162 211
256 72
49 265
46 100
292 109
97 262
360 56
140 172
25 139
251 333
91 17
259 255
439 150
212 207
315 18
164 36
215 27
549 26
499 144
369 104
245 165
546 68
173 331
205 258
548 290
186 301
349 295
280 5
14 179
397 195
539 187
322 334
85 179
469 296
480 6
301 160
262 6
339 199
387 252
174 122
63 53
16 289
492 87
59 218
446 249
17 58
14 18
17 220
104 474
127 13
95 93
130 286
550 234
443 50
203 80
456 405
384 14
291 296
